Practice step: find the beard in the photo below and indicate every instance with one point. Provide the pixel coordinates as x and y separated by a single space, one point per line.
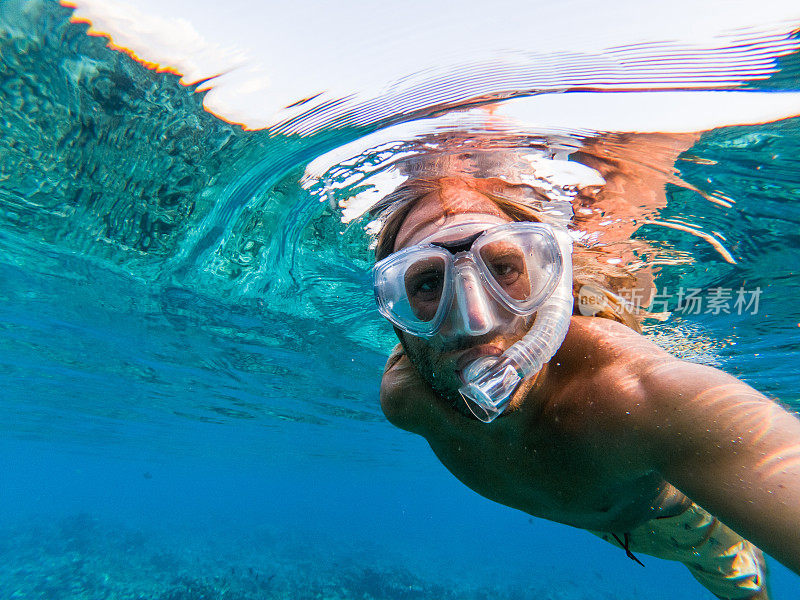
443 379
440 372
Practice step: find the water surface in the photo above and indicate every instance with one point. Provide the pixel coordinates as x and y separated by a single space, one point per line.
190 355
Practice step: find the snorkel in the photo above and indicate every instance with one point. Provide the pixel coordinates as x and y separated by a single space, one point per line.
490 381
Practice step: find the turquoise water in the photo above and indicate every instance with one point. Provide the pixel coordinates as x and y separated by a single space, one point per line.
189 353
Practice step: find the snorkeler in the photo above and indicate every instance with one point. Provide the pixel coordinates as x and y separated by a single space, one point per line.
576 419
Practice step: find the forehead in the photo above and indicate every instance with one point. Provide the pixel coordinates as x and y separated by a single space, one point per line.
452 204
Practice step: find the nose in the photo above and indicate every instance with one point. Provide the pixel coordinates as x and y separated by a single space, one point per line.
473 312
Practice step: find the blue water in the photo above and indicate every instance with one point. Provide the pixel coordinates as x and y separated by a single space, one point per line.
189 355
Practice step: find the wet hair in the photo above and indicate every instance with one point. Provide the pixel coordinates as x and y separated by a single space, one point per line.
519 203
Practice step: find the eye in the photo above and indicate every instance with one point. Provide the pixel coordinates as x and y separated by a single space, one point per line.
424 283
507 265
425 286
506 273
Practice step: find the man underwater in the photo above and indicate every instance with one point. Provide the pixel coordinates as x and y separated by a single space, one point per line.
576 419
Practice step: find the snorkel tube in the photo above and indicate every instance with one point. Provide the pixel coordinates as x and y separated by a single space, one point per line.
490 381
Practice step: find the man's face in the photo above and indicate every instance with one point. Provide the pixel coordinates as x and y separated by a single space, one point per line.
441 358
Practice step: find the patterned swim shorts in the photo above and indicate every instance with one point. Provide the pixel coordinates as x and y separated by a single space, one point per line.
723 561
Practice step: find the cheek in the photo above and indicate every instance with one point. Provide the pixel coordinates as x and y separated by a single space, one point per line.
425 355
415 347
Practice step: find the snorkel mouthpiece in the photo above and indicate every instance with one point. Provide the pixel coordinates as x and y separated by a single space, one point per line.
490 381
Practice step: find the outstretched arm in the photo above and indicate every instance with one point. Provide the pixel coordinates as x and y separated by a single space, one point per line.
729 448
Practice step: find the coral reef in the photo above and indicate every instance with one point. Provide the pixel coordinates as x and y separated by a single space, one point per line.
82 557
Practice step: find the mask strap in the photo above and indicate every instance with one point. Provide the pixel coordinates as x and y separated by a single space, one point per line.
462 245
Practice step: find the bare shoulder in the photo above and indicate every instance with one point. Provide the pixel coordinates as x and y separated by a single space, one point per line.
596 343
597 366
661 376
602 380
648 397
623 366
607 344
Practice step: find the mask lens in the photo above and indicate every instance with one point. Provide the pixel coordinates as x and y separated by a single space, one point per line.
518 264
411 288
424 282
522 264
509 267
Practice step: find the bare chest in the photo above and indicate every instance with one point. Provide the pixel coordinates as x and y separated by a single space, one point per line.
548 474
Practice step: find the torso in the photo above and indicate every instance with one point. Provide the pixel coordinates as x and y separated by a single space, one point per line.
562 452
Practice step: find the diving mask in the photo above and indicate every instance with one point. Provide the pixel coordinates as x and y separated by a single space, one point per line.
522 268
471 282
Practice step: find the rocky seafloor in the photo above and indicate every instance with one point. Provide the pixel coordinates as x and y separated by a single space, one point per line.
83 557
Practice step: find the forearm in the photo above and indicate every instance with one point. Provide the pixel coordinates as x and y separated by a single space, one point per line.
761 507
737 454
